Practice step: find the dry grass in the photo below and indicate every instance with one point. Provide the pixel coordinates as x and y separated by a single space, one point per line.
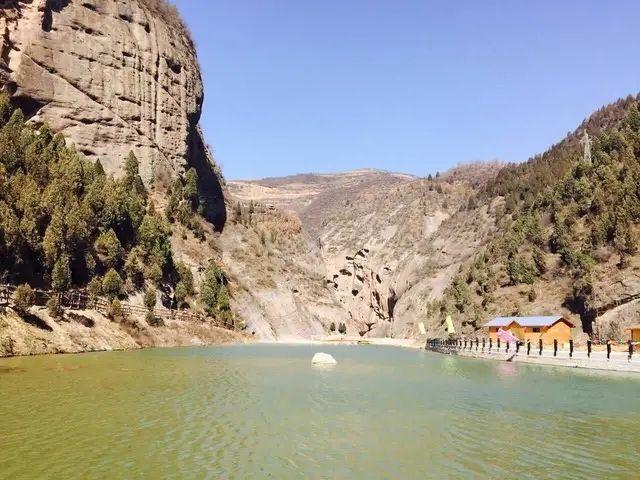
168 12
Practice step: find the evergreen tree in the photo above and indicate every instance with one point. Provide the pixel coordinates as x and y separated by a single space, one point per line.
112 284
61 274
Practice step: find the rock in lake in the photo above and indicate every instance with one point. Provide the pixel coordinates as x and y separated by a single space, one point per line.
321 358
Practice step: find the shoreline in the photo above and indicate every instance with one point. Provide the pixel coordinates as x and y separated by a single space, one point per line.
240 340
88 331
598 361
379 341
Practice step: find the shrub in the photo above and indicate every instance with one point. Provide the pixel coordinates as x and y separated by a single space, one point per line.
154 273
185 278
213 293
153 236
198 230
54 308
332 327
190 189
540 260
461 294
520 271
23 298
133 267
150 299
115 312
180 294
152 320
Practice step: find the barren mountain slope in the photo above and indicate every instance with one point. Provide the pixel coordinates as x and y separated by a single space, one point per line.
277 276
376 233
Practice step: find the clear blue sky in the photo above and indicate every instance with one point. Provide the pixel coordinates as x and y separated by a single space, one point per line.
412 86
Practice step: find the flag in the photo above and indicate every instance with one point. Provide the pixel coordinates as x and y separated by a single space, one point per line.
450 327
507 337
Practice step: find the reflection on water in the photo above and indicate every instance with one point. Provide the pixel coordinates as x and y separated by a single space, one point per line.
264 412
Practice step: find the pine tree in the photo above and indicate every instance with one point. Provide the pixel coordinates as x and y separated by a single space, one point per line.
61 274
112 284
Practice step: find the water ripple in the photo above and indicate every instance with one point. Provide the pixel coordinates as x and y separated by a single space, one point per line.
263 412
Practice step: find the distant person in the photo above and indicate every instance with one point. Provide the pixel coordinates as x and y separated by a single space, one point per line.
630 350
608 349
528 347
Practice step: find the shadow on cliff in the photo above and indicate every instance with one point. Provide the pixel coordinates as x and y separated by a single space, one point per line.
50 7
209 180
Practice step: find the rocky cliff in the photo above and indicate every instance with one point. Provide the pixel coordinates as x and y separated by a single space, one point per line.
114 77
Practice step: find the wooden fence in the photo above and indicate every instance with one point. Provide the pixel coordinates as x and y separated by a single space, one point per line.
456 346
79 300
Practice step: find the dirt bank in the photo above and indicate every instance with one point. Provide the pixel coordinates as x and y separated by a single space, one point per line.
88 331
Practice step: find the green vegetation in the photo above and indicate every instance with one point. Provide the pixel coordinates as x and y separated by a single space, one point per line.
150 299
563 217
184 203
23 298
62 219
115 312
112 284
54 308
214 295
524 182
185 287
65 224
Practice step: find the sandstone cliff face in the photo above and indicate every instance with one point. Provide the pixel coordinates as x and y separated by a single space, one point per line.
113 76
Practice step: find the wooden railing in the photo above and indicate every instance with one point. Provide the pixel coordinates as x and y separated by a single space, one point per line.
488 347
80 300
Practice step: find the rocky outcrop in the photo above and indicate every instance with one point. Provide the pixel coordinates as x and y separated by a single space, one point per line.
114 77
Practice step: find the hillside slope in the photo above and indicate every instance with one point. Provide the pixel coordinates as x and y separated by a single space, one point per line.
555 234
567 233
374 231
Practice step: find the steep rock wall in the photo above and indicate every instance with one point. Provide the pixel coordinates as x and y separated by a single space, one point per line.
113 76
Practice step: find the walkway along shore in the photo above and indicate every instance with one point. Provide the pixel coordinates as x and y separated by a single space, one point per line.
618 361
79 300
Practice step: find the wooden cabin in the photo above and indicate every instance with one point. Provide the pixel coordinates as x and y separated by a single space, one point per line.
533 328
634 333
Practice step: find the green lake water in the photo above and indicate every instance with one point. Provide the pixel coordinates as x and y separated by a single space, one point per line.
262 411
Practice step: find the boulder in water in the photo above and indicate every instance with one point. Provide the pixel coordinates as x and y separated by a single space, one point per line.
321 358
